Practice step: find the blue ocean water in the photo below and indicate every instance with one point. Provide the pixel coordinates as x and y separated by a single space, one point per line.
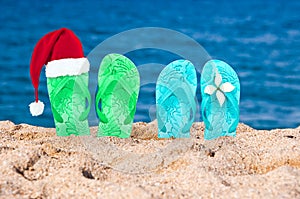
259 39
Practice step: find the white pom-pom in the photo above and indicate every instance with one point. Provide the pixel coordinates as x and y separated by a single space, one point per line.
36 108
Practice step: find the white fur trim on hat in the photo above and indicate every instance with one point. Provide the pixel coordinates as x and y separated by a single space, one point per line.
69 66
36 108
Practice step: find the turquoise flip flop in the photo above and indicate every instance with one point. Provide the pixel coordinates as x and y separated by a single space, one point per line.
175 99
116 98
220 90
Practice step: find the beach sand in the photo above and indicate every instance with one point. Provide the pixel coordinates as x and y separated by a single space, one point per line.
35 163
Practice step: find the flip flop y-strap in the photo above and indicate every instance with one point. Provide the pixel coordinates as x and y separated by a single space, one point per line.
78 82
177 91
111 84
206 120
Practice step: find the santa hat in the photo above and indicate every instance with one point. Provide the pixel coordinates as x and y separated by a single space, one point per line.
61 51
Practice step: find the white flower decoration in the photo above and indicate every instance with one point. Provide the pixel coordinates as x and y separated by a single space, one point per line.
220 88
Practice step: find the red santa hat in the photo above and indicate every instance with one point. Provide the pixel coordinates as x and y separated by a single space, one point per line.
61 51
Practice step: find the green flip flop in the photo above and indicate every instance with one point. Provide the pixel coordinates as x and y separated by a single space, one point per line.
116 98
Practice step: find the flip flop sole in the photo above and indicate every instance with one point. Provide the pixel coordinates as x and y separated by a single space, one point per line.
118 89
175 99
220 90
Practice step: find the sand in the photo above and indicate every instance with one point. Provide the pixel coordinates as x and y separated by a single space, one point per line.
35 163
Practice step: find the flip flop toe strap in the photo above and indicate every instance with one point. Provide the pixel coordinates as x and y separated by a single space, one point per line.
111 84
181 92
228 99
79 83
